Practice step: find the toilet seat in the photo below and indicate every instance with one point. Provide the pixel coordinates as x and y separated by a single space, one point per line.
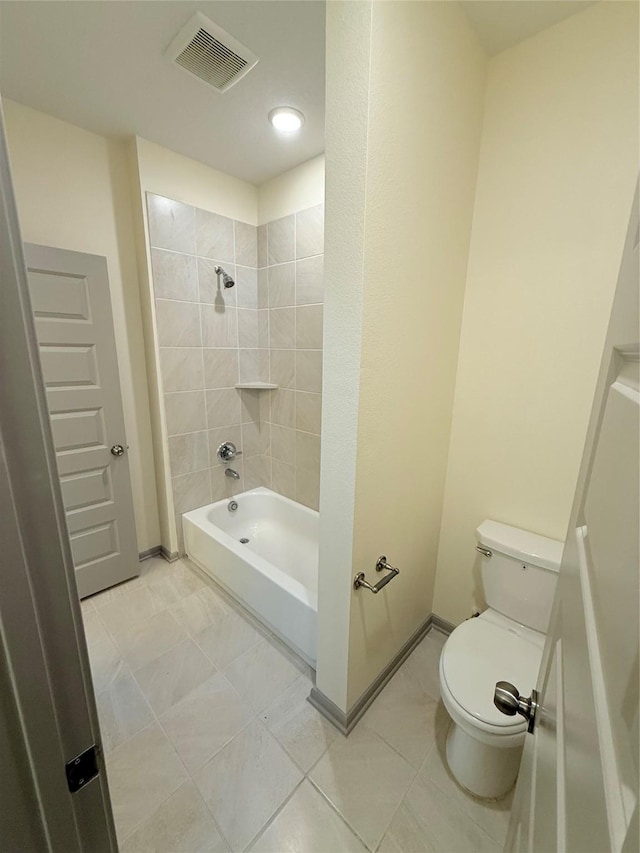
478 653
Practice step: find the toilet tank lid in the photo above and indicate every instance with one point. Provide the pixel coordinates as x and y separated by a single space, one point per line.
521 544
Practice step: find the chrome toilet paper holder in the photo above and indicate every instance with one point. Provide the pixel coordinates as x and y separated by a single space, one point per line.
381 565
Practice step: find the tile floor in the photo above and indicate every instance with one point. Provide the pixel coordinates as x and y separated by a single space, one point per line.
211 745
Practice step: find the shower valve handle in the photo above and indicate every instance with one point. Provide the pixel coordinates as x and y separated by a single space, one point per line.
227 451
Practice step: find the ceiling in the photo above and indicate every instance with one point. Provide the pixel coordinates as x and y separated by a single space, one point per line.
101 65
501 24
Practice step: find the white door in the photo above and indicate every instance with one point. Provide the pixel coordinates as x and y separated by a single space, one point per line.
578 784
50 798
72 307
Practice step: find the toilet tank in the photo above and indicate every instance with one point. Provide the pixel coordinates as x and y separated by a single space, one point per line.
519 578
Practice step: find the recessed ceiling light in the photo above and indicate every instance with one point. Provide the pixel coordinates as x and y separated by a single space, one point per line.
286 119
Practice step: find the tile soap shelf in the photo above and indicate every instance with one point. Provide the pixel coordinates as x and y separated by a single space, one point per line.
257 386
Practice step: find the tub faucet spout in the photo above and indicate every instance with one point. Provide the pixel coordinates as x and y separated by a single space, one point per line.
229 472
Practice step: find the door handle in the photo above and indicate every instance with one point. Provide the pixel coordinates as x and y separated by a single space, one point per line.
508 701
117 450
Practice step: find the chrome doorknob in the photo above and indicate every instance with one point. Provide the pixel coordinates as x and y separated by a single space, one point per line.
508 701
117 450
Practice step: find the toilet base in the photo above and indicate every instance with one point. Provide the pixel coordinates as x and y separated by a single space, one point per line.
488 772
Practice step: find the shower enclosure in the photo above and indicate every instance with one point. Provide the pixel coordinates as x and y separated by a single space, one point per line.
236 321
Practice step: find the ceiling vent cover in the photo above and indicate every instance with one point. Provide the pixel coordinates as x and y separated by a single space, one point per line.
206 50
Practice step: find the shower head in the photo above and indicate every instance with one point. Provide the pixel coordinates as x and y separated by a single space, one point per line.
226 278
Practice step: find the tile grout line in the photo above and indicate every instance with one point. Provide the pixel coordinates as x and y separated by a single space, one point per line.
446 794
273 817
338 812
411 784
409 789
191 776
148 817
220 669
305 776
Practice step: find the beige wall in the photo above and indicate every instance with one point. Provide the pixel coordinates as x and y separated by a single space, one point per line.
297 189
72 192
166 173
423 73
421 178
558 165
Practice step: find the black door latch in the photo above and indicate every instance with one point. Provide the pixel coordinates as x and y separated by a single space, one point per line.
82 769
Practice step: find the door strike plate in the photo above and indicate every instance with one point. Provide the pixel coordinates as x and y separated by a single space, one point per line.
82 769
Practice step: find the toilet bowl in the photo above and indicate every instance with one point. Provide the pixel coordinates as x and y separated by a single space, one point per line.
484 746
504 643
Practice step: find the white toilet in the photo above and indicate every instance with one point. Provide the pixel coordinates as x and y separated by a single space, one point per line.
519 573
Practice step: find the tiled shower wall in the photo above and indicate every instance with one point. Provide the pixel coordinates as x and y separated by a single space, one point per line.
266 328
290 257
210 338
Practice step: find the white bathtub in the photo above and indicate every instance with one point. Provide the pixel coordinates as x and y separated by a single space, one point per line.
274 574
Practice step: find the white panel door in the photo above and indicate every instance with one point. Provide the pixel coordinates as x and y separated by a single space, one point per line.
578 784
48 713
72 307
